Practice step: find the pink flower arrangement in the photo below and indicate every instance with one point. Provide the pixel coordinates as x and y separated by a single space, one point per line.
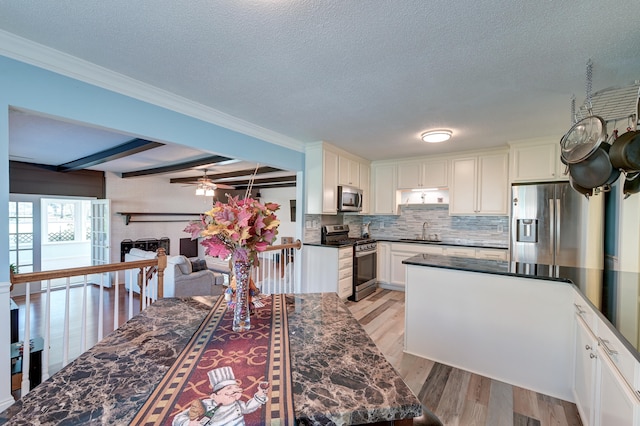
241 228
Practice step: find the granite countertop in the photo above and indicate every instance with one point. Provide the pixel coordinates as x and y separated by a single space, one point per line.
416 241
339 374
598 287
446 243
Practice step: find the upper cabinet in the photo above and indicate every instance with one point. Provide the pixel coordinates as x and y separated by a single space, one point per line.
536 160
348 172
327 167
384 189
479 185
321 167
423 174
365 185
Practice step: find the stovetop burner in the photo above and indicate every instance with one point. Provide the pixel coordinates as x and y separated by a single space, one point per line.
339 235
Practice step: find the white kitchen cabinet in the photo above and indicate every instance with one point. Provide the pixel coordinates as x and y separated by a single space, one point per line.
391 270
536 161
348 172
328 269
479 185
403 251
345 272
605 381
617 403
384 189
324 164
383 259
398 268
321 166
584 377
365 185
423 174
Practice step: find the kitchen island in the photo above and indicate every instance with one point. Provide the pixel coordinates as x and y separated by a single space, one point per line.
333 373
571 333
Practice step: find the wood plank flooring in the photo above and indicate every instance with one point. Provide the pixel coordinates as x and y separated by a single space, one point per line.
58 302
457 397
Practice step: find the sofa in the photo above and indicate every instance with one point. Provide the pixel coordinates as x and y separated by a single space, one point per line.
180 279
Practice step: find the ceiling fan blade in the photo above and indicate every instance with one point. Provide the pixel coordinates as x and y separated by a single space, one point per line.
223 186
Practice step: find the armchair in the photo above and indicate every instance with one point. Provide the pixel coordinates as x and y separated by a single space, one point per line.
179 278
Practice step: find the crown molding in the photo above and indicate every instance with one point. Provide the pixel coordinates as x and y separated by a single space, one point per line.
27 51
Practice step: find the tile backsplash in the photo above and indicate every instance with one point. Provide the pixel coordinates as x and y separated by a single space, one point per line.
451 229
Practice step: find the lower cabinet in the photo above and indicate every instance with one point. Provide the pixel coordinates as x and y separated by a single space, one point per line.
398 268
584 372
603 395
400 252
391 270
328 269
383 261
618 404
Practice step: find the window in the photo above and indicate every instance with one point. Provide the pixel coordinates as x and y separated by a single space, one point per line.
67 220
21 235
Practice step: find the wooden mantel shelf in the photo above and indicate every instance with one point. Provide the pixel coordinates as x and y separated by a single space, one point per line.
129 215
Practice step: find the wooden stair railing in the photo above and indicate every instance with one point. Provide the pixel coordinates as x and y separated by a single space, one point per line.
147 296
273 270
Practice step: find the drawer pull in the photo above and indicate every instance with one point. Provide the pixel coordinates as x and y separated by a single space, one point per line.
605 344
592 355
587 347
579 309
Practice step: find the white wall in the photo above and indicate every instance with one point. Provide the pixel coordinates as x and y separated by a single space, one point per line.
155 194
282 196
152 194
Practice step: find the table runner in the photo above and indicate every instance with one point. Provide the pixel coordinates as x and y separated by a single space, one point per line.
232 365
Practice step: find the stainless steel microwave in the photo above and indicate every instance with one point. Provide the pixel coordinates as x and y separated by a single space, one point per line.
349 199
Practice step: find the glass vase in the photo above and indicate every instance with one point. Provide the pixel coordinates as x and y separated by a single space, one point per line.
241 311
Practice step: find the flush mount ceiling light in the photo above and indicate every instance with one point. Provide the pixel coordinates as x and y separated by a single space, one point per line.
435 136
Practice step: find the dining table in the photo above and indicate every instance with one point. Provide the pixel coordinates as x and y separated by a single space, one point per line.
305 360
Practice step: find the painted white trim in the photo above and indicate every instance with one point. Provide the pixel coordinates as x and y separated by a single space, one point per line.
6 399
21 49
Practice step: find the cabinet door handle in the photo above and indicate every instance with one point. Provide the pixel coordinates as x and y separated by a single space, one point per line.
579 309
605 344
592 356
587 347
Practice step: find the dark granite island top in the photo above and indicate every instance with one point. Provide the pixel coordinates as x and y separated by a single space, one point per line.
339 375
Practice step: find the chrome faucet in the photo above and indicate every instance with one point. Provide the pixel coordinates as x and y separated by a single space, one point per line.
425 226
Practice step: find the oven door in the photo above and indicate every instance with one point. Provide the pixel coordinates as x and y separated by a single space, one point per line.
364 274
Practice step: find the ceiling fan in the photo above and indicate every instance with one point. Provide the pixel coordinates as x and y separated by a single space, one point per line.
205 186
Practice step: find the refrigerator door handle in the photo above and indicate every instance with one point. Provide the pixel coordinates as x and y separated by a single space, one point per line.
556 249
552 228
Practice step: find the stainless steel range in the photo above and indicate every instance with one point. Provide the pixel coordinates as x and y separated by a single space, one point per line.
364 258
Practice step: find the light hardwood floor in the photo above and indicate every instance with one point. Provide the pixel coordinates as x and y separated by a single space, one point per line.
457 397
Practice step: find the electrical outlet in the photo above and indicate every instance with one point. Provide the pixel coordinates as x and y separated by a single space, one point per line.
500 228
381 225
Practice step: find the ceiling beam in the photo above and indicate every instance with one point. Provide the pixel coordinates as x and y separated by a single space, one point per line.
178 167
268 185
237 173
131 147
260 182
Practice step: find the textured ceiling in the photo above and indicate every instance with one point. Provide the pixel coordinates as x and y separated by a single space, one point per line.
368 76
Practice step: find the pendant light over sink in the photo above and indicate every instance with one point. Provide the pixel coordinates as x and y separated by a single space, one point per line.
436 136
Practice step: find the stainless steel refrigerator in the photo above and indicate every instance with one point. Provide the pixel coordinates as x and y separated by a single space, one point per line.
552 224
